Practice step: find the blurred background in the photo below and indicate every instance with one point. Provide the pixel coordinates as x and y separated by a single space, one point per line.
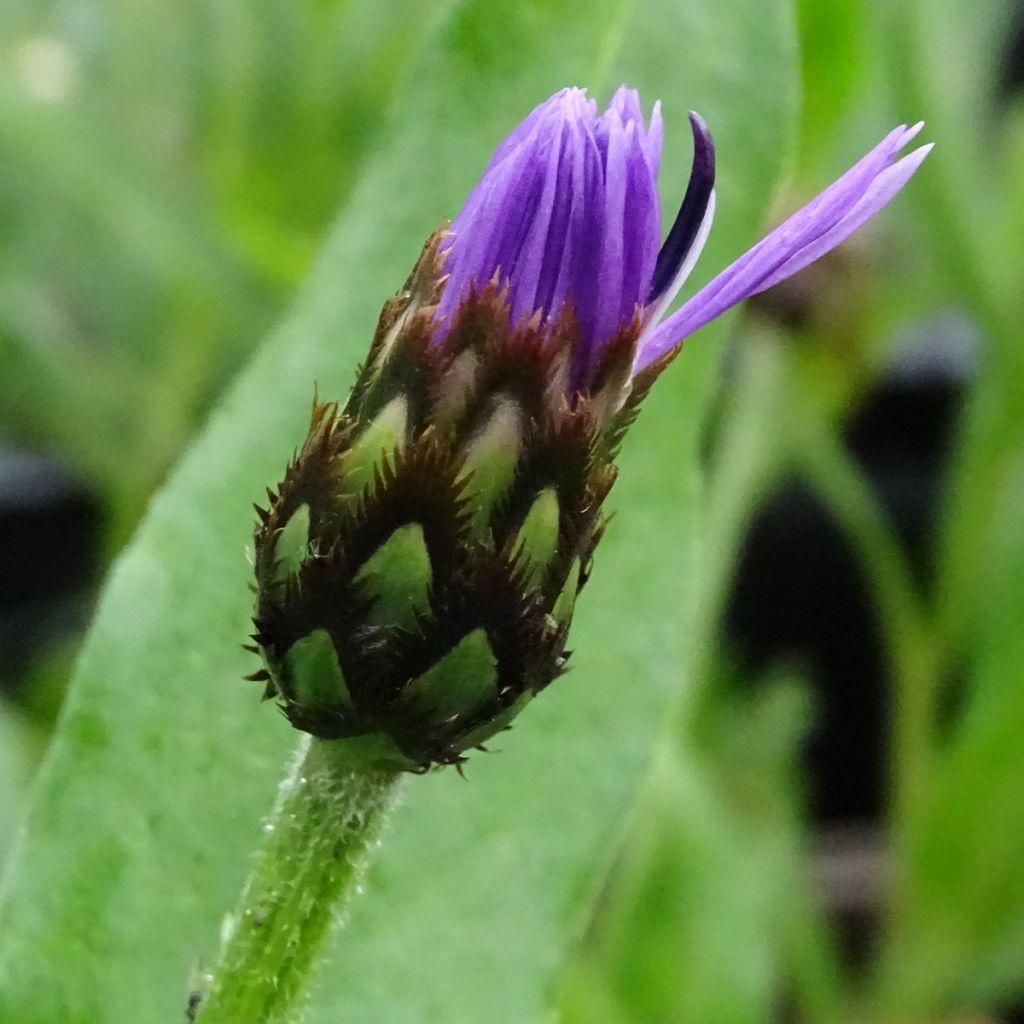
861 709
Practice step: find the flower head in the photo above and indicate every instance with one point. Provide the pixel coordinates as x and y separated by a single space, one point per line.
567 212
418 566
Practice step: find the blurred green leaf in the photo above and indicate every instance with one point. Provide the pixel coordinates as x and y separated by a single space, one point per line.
696 924
150 801
832 55
956 937
958 933
148 234
707 916
944 62
15 757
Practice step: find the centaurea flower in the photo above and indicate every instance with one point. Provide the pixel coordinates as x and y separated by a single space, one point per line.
418 567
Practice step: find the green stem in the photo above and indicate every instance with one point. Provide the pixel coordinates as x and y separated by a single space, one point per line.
328 815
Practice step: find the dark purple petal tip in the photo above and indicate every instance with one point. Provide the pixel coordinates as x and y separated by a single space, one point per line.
691 213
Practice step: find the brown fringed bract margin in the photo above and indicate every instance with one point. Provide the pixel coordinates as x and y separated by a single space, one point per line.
490 398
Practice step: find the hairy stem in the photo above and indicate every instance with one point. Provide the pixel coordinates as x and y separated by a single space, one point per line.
328 815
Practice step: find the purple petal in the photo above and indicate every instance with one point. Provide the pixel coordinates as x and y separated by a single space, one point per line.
490 231
629 228
542 247
816 217
524 130
655 133
656 310
625 107
616 181
691 213
625 104
641 227
820 226
878 195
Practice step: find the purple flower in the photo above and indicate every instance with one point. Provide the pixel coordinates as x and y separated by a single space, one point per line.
567 212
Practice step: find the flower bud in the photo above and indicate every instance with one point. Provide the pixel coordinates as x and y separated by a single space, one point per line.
418 566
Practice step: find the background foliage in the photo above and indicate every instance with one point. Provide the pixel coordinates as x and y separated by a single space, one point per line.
661 837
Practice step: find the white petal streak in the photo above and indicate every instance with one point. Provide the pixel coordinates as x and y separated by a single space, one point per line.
657 311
